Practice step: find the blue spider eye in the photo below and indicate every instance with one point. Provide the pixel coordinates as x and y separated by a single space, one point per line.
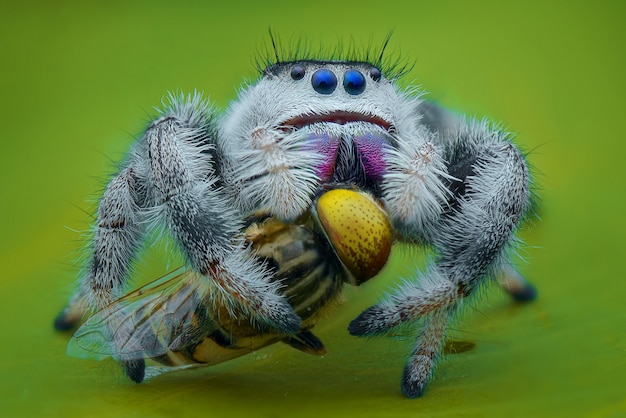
297 72
353 82
375 74
324 81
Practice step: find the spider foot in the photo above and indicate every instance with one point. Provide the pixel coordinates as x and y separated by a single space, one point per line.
65 322
372 321
516 285
135 369
415 377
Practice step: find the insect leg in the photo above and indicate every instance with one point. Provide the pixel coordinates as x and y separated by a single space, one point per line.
116 237
170 180
489 196
445 123
515 284
117 234
189 199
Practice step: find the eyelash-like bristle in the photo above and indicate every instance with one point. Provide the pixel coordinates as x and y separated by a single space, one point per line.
299 48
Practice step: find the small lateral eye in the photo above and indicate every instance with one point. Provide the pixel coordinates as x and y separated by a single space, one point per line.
375 74
324 81
353 82
297 72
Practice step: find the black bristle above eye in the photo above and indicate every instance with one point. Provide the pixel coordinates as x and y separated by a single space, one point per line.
298 49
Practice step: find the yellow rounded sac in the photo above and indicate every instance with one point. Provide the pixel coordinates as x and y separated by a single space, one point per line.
358 229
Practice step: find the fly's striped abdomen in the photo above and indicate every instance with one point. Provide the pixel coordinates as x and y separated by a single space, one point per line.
304 263
312 280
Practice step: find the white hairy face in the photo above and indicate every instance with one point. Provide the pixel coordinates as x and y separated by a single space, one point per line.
305 124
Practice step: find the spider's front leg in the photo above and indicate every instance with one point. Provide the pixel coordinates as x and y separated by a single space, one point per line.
488 196
171 179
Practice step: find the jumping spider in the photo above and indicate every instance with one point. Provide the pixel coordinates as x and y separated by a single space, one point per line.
305 127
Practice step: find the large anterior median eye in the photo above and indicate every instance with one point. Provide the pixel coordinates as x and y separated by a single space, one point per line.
324 81
353 82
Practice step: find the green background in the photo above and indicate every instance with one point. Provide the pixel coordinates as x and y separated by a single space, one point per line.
78 82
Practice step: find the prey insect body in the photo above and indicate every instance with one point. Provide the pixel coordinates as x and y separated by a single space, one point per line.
308 135
176 323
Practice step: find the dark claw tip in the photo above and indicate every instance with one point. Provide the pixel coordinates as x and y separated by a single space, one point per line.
357 328
135 369
364 324
412 391
525 294
411 388
292 323
62 323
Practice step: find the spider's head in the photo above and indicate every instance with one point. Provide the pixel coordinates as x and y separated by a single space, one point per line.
340 92
308 124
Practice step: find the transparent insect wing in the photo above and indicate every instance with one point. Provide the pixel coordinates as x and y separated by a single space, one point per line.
159 317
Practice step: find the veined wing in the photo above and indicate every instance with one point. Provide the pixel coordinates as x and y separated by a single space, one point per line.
167 314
